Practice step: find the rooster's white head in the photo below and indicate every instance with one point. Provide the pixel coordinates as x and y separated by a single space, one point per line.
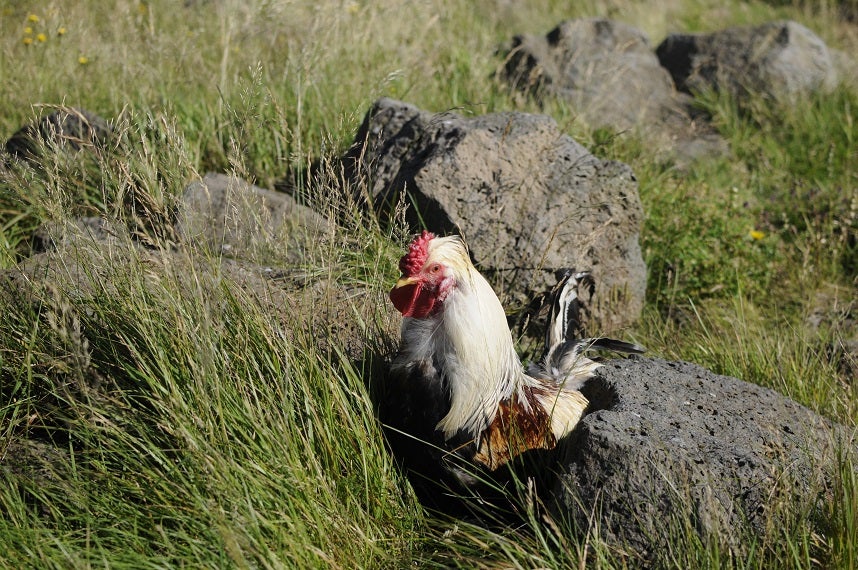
433 268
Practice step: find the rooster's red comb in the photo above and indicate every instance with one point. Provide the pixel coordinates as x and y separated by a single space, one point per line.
418 251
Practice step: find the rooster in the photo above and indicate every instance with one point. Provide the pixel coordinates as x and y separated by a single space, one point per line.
457 384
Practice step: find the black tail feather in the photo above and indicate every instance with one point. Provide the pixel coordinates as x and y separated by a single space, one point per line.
564 322
564 318
614 345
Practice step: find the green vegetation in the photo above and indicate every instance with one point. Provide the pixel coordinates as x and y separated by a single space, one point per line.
191 427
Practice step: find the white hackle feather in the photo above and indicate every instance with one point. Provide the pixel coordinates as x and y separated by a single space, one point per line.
472 340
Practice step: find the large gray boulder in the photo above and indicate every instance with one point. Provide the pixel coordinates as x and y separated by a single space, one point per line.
266 241
608 71
671 441
227 215
779 60
528 199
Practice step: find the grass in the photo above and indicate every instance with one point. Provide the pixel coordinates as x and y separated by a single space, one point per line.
157 413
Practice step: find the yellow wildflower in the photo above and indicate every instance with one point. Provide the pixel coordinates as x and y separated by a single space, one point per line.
28 30
757 234
33 18
28 41
42 37
61 31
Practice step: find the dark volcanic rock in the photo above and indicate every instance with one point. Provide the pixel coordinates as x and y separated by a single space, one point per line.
670 438
781 60
609 72
528 199
66 128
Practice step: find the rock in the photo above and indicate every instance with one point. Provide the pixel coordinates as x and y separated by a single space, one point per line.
779 60
845 67
227 215
261 241
609 72
68 128
668 438
336 316
833 316
33 460
33 467
266 239
528 199
51 236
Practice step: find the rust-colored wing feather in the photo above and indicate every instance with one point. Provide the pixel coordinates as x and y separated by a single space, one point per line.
517 428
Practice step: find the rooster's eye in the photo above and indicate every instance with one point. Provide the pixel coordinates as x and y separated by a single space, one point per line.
435 268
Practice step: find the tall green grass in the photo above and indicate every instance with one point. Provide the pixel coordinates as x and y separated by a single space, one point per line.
156 412
193 427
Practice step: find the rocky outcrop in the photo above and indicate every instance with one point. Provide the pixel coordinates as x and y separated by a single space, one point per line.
528 199
607 70
67 128
227 215
668 442
228 229
779 60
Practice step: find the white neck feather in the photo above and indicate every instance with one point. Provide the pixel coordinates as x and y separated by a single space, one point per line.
472 342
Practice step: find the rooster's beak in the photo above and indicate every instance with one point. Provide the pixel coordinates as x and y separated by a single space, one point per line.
404 282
